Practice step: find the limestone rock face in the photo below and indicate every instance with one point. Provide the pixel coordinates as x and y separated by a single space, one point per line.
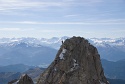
77 62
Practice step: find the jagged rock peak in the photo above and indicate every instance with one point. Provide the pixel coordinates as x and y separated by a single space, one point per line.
24 79
77 62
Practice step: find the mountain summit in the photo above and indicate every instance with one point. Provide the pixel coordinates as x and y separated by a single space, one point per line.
77 62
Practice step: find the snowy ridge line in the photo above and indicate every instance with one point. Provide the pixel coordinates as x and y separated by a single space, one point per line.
55 42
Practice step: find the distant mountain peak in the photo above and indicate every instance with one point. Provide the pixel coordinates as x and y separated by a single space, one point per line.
24 79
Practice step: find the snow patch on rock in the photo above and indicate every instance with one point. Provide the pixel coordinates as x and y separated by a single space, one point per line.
61 56
75 65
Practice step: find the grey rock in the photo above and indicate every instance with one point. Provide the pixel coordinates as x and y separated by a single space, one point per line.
24 79
77 62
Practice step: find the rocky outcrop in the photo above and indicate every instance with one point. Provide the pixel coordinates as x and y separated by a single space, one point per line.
13 81
77 62
24 79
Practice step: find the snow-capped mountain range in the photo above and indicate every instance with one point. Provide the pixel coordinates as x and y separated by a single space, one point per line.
110 49
108 41
55 42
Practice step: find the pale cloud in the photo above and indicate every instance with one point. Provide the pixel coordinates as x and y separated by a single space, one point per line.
72 15
17 29
118 31
19 5
83 2
10 29
91 22
9 5
50 31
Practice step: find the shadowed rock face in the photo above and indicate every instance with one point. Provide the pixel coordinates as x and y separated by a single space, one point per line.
77 62
24 79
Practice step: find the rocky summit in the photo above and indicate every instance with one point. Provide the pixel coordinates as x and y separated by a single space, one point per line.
77 62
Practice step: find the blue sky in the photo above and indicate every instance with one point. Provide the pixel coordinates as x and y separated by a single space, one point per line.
48 18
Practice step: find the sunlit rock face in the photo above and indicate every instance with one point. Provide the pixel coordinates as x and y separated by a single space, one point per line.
77 62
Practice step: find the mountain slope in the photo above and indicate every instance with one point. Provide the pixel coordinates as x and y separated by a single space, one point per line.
34 73
15 68
111 53
114 70
116 81
26 54
5 77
